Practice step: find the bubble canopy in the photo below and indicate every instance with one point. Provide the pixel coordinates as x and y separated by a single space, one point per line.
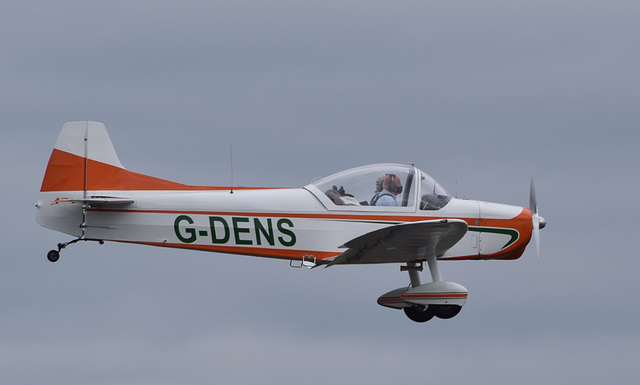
356 189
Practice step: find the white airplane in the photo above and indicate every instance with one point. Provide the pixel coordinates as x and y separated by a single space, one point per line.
382 213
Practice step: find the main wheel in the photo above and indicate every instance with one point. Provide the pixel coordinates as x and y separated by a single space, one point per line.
419 313
445 311
53 256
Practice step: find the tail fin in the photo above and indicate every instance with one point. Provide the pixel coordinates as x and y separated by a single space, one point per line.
81 147
84 169
84 160
81 158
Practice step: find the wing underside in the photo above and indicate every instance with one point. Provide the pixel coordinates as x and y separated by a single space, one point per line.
405 242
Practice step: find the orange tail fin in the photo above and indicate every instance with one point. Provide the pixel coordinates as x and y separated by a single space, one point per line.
84 160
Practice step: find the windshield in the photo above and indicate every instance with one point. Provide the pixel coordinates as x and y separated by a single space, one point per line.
375 185
380 186
433 196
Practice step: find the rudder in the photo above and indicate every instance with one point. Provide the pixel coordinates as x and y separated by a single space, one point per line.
84 167
82 159
79 146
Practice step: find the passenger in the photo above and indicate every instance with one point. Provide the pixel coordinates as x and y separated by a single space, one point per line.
391 186
379 181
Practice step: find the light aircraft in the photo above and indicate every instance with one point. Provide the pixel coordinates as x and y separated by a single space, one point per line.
88 194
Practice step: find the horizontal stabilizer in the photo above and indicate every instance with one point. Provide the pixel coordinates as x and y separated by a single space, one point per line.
98 201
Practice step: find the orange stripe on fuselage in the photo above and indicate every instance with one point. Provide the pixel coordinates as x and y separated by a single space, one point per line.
365 217
251 251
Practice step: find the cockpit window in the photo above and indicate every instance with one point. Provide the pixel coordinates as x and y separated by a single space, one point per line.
433 196
371 186
384 186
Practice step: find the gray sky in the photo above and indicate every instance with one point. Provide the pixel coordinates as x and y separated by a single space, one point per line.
481 95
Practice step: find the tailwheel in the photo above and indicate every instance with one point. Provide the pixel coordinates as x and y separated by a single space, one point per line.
445 311
53 255
419 313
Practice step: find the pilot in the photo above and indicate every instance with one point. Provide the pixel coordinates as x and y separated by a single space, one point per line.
391 186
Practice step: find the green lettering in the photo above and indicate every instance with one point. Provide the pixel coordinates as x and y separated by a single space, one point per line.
225 226
260 229
237 230
292 237
191 237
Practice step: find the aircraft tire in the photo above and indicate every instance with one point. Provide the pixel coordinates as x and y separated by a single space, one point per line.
446 311
53 256
419 313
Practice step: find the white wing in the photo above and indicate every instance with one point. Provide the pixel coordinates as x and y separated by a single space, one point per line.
405 242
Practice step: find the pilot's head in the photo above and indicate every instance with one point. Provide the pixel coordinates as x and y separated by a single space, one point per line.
392 184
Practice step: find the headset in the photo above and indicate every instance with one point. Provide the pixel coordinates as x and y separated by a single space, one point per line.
391 184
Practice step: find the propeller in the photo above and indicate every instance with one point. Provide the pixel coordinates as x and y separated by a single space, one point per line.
538 221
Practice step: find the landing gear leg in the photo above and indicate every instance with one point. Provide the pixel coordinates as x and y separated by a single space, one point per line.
413 269
432 261
440 311
438 298
54 255
416 313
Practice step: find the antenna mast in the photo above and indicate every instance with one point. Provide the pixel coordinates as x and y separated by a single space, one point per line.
231 157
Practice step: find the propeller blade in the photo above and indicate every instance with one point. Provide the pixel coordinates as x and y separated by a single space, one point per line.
536 234
533 203
535 218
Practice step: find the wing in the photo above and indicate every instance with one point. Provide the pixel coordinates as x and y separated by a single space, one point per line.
403 243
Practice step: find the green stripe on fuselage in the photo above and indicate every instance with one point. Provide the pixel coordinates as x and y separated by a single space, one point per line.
511 232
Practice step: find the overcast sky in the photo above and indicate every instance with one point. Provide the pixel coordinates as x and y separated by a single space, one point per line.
481 95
